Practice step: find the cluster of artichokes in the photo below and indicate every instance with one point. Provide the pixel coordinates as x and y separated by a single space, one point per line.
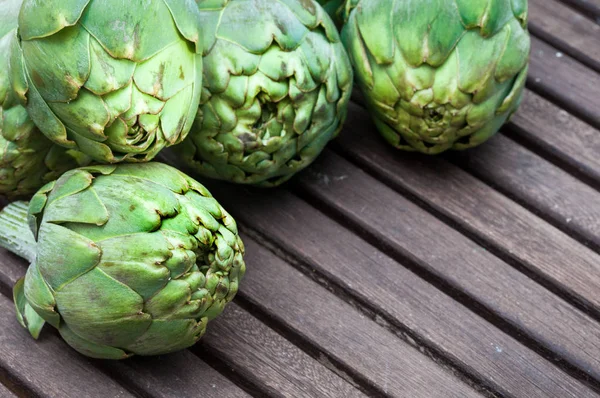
134 257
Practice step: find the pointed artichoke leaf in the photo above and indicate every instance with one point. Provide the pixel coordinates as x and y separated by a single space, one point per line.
173 71
44 118
42 18
187 18
64 255
255 34
82 207
166 336
83 304
136 260
39 296
107 73
26 316
58 76
134 30
88 348
70 183
155 173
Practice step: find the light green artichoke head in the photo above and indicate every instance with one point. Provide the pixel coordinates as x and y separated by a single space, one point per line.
28 160
277 82
438 74
129 259
117 80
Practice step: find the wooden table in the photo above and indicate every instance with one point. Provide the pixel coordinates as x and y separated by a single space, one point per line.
382 273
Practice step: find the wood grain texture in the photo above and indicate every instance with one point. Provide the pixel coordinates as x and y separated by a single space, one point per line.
544 188
414 306
5 392
505 226
572 85
47 367
589 8
255 351
567 30
341 333
181 374
558 135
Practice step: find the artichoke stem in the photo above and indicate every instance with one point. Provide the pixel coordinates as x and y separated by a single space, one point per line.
15 234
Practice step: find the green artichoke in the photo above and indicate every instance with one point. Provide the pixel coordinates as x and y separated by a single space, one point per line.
28 160
117 80
438 74
129 259
277 82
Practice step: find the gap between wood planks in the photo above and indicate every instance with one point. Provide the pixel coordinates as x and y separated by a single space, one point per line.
363 307
588 8
453 292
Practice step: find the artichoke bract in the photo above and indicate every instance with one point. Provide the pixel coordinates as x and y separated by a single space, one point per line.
335 8
28 160
438 74
125 259
277 82
116 80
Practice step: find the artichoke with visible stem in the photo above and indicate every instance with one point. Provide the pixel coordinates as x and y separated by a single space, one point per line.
438 74
277 82
116 80
28 160
125 259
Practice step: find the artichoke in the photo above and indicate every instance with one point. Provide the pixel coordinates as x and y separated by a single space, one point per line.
438 74
127 259
277 82
117 80
28 160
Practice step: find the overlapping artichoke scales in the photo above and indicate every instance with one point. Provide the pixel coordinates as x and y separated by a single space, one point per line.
448 73
27 159
277 82
131 259
117 80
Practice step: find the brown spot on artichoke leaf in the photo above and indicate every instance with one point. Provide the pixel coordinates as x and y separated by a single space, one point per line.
158 79
37 79
132 208
181 73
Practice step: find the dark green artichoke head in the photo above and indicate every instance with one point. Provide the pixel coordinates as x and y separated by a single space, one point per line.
28 160
438 74
277 82
117 80
129 259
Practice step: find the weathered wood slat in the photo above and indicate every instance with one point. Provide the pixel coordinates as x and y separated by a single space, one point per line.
567 30
180 374
342 259
590 8
533 181
513 232
344 336
565 81
469 268
5 392
257 352
33 365
559 135
243 342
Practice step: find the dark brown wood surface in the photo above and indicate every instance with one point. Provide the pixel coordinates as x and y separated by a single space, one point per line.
388 274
